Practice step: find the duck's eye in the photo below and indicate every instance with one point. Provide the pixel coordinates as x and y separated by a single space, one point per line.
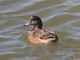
31 18
34 20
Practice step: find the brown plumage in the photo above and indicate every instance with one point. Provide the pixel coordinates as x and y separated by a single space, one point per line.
38 36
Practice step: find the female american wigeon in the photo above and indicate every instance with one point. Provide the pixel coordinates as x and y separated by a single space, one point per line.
38 36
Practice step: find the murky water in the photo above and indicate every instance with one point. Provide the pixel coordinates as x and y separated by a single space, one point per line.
61 16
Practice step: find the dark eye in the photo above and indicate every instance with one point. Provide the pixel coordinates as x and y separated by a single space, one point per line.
33 19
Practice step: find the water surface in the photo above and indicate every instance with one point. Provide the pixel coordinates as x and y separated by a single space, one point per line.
61 16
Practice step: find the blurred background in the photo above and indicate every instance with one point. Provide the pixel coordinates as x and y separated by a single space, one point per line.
61 16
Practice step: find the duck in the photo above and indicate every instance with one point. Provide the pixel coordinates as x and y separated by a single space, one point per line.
38 36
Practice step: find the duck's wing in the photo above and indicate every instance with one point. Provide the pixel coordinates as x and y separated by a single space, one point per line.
49 35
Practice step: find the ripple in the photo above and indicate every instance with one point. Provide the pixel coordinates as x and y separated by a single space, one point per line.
19 6
26 58
12 27
2 0
4 53
72 3
2 22
7 43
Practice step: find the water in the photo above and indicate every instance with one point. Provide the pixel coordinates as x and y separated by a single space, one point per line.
61 16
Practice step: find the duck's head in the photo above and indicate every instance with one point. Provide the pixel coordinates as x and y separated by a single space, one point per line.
35 21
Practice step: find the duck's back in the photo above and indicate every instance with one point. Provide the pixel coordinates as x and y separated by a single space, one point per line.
42 36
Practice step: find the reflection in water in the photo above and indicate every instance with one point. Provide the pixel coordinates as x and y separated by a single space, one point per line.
63 17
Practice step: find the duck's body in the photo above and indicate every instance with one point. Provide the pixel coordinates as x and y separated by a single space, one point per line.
38 36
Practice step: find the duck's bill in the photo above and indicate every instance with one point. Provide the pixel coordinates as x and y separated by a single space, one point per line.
28 23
